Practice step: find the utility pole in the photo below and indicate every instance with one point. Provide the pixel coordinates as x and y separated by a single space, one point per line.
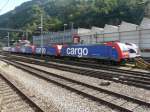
8 39
41 27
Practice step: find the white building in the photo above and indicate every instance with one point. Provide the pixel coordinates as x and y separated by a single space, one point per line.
111 33
145 24
97 30
128 32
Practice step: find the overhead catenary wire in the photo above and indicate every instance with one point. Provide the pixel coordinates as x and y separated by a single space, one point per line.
4 5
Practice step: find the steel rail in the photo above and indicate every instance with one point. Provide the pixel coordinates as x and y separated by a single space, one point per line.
22 94
121 109
38 72
138 81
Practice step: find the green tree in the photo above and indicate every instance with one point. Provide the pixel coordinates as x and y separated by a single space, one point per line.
83 13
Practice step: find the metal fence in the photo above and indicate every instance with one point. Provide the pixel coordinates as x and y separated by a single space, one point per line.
55 37
139 37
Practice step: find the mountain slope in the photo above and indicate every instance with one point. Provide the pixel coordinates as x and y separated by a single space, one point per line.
84 13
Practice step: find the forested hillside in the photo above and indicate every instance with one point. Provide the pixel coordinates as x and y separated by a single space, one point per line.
83 13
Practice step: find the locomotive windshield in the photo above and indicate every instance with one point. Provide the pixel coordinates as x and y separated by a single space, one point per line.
123 47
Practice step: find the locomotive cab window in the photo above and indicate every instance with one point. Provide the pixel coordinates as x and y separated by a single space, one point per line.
124 49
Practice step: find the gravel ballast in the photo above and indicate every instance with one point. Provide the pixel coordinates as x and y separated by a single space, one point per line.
132 91
56 97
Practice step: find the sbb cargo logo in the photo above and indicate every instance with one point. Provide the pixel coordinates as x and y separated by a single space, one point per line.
77 51
40 50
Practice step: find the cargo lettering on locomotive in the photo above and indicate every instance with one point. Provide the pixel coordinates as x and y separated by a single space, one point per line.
41 50
77 51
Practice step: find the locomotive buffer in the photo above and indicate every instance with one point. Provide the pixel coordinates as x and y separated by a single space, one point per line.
139 62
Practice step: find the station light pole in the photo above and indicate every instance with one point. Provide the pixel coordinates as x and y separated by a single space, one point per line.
26 35
64 32
72 27
23 36
72 30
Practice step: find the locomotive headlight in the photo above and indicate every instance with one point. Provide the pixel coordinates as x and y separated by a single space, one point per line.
125 54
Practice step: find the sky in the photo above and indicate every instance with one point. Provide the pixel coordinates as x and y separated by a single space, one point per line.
7 5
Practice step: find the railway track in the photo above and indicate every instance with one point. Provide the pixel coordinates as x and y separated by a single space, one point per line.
97 66
147 59
85 63
12 98
138 80
116 101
